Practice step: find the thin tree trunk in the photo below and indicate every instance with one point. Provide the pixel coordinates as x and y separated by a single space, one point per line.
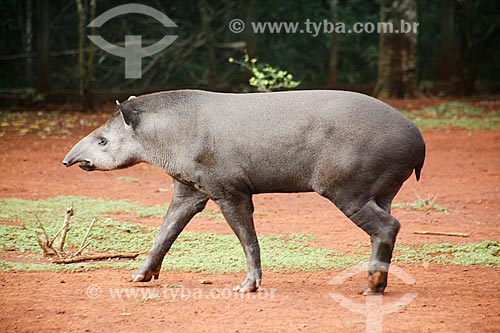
87 91
250 41
334 49
471 44
446 41
43 47
81 49
385 82
29 43
468 51
206 18
397 67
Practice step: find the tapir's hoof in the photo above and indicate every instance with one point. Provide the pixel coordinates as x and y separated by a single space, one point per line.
145 277
247 286
367 291
377 282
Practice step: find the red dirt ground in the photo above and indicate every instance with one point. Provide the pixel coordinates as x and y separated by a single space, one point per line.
462 168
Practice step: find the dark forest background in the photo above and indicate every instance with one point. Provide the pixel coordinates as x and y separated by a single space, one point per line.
45 54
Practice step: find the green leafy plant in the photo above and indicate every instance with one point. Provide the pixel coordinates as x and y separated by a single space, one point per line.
266 77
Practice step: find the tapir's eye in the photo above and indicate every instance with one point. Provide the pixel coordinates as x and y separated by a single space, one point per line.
102 141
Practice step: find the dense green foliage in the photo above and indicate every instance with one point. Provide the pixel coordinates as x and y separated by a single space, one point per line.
185 62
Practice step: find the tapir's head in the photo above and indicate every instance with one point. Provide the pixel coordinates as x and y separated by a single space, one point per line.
114 145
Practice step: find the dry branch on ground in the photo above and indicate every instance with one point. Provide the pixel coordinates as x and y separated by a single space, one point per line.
49 249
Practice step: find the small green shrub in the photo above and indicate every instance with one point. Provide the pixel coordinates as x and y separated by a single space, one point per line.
265 77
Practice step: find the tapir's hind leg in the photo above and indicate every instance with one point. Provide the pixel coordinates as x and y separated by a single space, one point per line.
373 216
383 229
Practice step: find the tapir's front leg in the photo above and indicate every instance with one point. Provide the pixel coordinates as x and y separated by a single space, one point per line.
238 211
186 203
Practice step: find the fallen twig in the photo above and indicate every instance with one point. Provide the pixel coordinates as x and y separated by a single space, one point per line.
100 256
65 228
80 250
83 245
47 250
48 247
42 227
442 233
67 258
43 240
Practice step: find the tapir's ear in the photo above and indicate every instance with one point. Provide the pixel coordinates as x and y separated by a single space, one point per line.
129 116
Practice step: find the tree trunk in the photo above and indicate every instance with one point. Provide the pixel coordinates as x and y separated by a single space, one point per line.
249 34
88 102
206 18
447 51
397 54
28 39
81 49
85 63
334 50
471 44
43 47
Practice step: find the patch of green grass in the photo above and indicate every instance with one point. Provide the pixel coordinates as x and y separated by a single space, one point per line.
160 211
153 211
41 266
355 322
128 179
192 252
455 114
213 253
107 234
210 214
421 204
485 253
150 297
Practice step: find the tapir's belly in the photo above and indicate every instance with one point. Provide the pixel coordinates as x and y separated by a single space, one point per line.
277 168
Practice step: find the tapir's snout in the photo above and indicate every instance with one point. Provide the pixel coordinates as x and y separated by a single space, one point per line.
67 163
86 165
76 155
72 157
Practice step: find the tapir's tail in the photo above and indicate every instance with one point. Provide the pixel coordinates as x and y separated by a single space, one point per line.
417 171
420 164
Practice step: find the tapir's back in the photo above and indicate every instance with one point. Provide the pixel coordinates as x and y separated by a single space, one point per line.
286 137
267 115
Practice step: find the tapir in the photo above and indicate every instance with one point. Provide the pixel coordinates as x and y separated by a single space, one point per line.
350 148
